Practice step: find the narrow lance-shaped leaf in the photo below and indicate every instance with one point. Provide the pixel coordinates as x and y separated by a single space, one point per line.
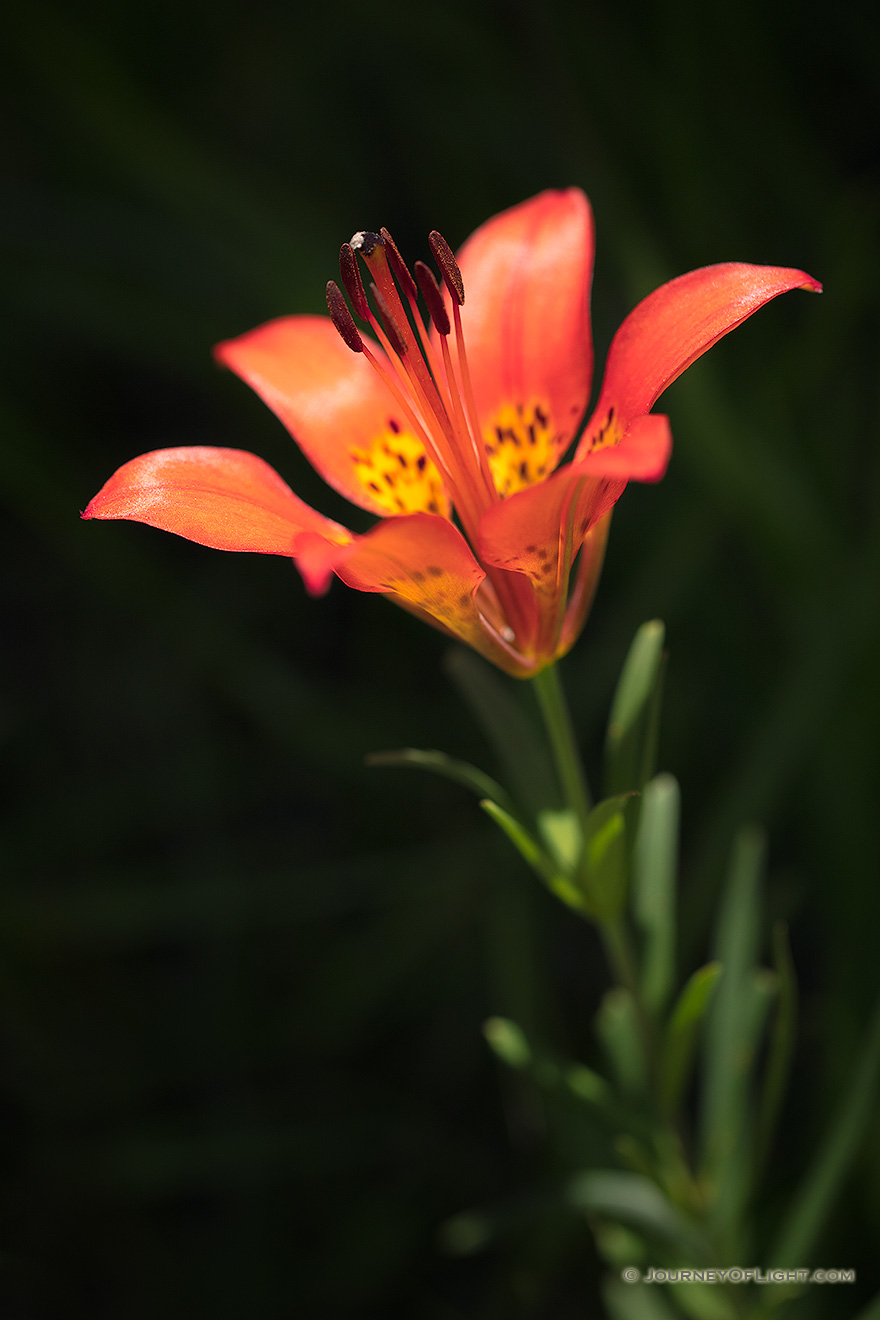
604 865
655 861
733 1026
631 726
632 1199
636 1301
683 1032
782 1041
448 767
617 1026
510 1044
816 1197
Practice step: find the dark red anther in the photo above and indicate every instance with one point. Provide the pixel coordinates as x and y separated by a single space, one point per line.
351 279
365 242
433 298
445 259
398 265
342 318
389 322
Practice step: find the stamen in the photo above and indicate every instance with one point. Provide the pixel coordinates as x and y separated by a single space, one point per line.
390 325
365 242
351 279
398 265
445 259
342 318
433 298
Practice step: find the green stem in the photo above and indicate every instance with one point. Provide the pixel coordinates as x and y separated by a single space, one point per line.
554 708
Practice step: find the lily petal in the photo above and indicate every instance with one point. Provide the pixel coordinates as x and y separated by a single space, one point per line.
339 412
527 276
224 498
674 326
423 563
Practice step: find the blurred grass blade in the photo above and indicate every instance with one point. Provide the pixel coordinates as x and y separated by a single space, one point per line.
782 1042
633 1199
636 1301
683 1032
815 1199
630 742
460 772
518 740
654 869
731 1033
617 1026
871 1311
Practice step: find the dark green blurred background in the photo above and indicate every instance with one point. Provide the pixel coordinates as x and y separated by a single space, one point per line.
242 977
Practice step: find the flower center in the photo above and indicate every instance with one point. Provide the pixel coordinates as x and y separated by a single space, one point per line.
399 474
521 446
430 385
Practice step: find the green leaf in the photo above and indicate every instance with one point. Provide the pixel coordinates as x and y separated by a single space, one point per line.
512 1046
604 864
683 1032
815 1200
636 1301
733 1025
617 1025
460 772
528 847
871 1311
561 832
633 1199
655 864
782 1042
704 1301
508 1041
630 742
517 739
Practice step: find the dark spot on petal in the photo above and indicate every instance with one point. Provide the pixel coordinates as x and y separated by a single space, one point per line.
435 570
401 458
422 462
543 553
433 506
373 486
464 600
417 575
394 426
524 470
530 549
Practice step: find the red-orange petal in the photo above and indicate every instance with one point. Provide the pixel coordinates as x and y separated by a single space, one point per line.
527 532
338 410
527 275
540 530
224 498
424 564
674 326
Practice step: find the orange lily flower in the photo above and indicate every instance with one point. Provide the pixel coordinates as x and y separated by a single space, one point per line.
454 434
